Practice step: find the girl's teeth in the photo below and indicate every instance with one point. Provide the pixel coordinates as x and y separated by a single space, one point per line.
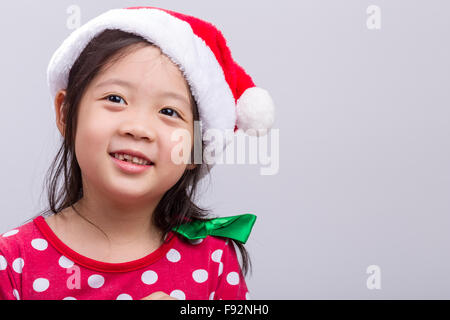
129 158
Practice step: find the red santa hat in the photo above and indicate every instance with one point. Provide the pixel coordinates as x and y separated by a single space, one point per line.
225 94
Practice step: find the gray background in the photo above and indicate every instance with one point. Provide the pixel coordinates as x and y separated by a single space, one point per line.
363 118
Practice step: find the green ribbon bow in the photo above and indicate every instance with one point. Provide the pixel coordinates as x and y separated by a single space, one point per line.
234 227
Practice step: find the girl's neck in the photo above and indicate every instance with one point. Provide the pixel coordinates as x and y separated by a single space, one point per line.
115 244
120 227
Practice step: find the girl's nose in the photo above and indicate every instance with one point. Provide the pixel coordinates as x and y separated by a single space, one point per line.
137 130
139 122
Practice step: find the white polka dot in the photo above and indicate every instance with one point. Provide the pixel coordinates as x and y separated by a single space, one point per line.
16 294
178 294
18 265
196 241
220 268
200 275
211 296
10 233
124 296
149 277
40 284
233 278
69 298
96 281
173 255
3 263
65 262
39 244
216 255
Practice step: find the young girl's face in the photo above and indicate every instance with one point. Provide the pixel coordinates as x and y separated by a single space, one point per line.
140 113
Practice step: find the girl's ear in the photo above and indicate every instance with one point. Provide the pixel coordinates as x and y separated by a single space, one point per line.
60 111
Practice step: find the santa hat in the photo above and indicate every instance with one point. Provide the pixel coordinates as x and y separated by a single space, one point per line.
225 94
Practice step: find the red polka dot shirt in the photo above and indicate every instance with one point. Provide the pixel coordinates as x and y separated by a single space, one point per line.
36 265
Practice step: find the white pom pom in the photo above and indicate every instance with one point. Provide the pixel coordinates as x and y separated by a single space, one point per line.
255 110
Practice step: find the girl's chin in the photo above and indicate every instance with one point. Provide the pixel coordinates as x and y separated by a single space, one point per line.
130 194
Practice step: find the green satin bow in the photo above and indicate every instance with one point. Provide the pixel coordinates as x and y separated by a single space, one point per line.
234 227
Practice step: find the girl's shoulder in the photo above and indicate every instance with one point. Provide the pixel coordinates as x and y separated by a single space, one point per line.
15 239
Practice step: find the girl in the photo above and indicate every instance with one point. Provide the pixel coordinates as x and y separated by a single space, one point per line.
124 224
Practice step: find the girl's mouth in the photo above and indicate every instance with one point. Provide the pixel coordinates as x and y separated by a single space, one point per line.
130 167
131 159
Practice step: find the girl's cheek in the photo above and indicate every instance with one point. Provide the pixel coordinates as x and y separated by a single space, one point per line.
92 133
178 152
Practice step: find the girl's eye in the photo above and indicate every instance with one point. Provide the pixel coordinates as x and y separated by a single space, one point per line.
171 112
114 98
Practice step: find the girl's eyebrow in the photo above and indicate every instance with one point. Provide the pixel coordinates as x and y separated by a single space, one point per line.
130 86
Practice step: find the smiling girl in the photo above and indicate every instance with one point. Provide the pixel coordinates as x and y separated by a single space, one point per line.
124 224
